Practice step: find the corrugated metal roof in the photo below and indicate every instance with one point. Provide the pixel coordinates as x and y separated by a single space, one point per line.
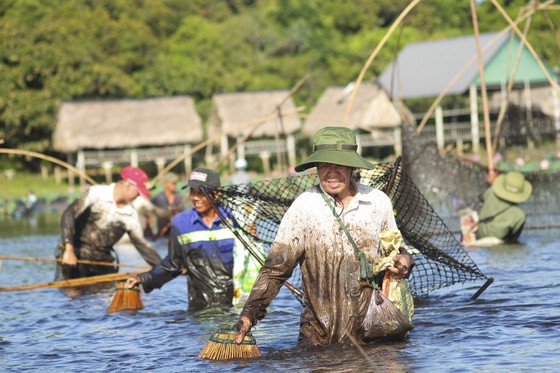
126 123
424 69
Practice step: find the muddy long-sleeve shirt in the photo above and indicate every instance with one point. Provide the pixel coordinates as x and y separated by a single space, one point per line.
93 224
336 299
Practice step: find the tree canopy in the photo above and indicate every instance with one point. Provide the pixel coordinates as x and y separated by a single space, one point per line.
53 51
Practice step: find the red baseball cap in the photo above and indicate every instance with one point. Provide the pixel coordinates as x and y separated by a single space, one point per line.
137 177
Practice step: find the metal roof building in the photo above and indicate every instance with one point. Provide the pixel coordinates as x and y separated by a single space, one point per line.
427 68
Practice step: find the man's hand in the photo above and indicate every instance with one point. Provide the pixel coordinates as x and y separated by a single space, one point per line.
69 257
133 281
402 267
243 326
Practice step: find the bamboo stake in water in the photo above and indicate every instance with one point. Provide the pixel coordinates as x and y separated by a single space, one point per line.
82 261
75 281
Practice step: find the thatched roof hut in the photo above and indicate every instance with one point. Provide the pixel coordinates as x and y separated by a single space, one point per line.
371 109
371 112
258 114
126 123
236 114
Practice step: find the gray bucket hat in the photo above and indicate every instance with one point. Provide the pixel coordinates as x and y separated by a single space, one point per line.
336 145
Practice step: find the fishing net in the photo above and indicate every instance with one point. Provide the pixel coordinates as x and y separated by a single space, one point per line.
451 184
440 259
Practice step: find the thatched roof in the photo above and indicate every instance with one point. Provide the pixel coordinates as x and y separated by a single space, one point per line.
371 109
127 123
235 114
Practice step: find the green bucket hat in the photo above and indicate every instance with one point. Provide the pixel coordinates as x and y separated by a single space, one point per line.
336 145
512 187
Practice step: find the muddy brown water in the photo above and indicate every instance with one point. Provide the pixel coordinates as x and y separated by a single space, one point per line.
513 326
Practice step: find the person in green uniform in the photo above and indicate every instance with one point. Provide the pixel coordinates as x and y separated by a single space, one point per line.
500 215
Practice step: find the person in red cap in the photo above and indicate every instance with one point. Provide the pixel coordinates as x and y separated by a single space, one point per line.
92 224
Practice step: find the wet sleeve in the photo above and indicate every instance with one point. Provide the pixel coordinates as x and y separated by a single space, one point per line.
69 216
284 255
147 252
389 221
170 267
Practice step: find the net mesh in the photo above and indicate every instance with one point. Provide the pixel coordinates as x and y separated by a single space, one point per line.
451 184
440 259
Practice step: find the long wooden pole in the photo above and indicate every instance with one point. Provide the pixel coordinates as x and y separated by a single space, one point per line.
552 82
511 79
374 54
83 261
485 111
181 157
74 282
47 158
436 102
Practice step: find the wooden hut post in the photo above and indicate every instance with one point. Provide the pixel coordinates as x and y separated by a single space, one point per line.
81 165
439 129
397 140
70 160
133 157
556 110
57 175
160 164
265 157
224 145
474 119
187 162
528 110
291 145
107 166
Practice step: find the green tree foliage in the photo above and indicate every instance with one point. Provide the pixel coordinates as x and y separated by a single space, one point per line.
51 51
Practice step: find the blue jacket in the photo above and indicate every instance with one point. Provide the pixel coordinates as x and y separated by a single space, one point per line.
205 253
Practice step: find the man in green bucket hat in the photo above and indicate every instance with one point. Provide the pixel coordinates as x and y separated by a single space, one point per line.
500 215
314 233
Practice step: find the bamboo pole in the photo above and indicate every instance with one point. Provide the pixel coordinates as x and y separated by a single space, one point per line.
180 158
486 115
82 261
74 282
529 47
389 32
470 61
48 158
511 79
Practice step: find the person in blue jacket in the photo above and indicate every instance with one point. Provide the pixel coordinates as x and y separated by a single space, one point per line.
200 245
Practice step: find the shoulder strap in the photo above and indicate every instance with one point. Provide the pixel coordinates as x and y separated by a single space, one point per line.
490 218
366 273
